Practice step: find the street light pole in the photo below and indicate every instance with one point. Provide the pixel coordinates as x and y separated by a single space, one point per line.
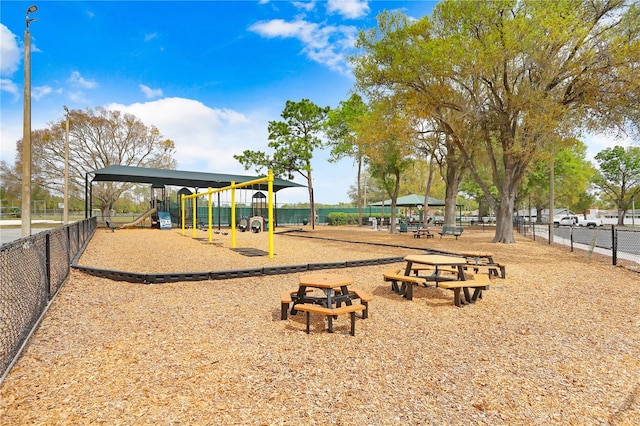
65 209
26 131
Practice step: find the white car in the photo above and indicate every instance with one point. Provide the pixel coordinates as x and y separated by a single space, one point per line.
577 221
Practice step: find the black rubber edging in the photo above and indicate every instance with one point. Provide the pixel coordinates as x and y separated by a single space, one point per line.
163 278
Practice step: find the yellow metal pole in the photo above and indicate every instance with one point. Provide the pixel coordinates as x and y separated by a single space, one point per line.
270 214
233 214
182 211
210 216
194 203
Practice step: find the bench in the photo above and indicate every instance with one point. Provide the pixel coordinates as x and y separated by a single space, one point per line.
478 282
395 275
451 230
285 301
330 313
364 297
492 268
422 232
417 267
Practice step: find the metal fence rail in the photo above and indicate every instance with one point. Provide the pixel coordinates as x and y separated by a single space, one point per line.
32 271
618 243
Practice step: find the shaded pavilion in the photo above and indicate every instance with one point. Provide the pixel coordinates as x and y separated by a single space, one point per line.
415 201
159 178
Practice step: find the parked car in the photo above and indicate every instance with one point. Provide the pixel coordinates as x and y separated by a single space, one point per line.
576 221
11 212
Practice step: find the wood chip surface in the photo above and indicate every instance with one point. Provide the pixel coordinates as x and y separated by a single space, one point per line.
556 342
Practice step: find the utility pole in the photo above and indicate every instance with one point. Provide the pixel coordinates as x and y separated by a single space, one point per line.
26 131
65 209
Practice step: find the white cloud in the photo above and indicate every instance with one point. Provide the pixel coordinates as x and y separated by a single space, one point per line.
10 52
327 45
77 80
308 6
148 37
352 9
150 93
40 91
601 141
206 138
9 86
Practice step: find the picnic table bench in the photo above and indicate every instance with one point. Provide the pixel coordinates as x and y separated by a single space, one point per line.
478 282
422 232
451 230
491 269
330 313
406 289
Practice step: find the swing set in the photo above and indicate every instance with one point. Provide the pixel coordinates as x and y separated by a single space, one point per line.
209 193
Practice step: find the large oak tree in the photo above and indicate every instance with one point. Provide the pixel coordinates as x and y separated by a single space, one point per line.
97 138
517 75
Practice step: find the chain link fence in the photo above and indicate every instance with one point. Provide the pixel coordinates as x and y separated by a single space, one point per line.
616 244
32 271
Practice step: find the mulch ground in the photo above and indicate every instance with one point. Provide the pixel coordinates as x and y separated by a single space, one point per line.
556 342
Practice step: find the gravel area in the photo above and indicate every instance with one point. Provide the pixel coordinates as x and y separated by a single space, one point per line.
556 342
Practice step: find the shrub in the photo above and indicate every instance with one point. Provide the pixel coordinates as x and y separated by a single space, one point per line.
337 219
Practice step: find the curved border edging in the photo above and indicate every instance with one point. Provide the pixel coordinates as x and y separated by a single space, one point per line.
162 278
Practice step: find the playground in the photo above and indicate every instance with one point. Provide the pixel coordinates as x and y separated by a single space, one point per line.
556 342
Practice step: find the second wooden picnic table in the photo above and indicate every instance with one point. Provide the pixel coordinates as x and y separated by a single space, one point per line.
478 257
438 261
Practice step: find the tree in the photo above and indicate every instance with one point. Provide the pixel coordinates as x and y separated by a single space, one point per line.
293 141
97 139
387 137
343 137
516 75
619 176
572 177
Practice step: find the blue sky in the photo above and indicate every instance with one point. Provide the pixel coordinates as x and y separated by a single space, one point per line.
209 75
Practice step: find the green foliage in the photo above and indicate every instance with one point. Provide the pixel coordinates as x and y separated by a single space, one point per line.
339 218
619 176
341 128
293 142
507 79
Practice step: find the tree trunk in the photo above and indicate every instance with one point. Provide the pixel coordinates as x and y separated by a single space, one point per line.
453 182
394 198
504 215
621 213
312 204
359 192
427 193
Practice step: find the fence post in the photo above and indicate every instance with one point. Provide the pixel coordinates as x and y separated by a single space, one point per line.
614 245
68 241
47 265
571 237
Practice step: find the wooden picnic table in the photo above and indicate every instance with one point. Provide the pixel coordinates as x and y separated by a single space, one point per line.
327 283
478 256
438 261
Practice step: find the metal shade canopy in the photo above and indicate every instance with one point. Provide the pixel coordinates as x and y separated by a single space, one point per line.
412 200
158 177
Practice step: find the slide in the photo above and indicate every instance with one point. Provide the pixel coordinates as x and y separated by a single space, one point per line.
139 220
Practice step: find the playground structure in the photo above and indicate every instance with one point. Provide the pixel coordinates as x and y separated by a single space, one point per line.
140 218
255 223
159 203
